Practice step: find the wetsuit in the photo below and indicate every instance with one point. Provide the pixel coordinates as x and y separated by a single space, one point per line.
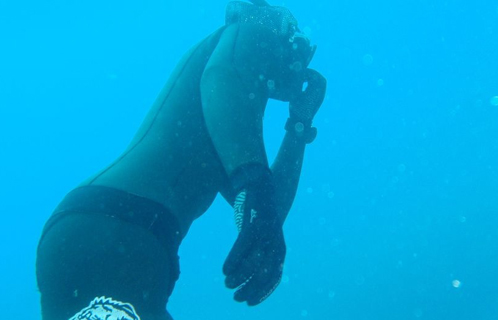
112 243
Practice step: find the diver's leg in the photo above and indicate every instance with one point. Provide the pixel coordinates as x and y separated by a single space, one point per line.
85 257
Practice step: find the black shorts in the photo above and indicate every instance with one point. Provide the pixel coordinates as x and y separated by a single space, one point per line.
106 253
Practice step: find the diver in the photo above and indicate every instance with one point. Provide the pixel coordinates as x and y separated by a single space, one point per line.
110 248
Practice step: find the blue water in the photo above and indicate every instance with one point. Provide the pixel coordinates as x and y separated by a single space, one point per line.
397 211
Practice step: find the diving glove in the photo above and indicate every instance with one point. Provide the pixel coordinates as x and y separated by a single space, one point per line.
255 262
304 106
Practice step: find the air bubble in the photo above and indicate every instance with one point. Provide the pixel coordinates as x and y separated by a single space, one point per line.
285 279
456 283
271 84
368 59
296 66
331 294
299 127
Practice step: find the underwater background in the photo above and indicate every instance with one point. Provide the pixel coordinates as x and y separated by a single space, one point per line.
396 215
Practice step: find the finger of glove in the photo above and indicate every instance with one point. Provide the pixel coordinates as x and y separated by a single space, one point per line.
265 292
260 286
265 279
246 269
307 102
314 94
315 78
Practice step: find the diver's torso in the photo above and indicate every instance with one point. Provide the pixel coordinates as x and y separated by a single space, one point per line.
171 159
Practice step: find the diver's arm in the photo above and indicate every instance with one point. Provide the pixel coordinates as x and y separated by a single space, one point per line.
286 172
234 96
286 169
287 166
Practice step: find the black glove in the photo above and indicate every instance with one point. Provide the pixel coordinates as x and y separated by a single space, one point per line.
305 104
255 262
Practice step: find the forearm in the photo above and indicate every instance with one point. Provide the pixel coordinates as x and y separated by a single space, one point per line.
286 171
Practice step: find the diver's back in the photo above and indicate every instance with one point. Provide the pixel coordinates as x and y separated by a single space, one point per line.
172 149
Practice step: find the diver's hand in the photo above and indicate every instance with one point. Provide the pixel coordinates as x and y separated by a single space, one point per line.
255 262
305 104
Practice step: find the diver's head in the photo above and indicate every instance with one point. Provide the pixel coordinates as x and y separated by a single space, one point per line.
297 60
297 49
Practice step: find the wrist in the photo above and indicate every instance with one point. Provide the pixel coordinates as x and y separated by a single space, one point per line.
254 205
302 130
251 175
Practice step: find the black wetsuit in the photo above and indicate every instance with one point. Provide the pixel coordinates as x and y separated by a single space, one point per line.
103 241
117 234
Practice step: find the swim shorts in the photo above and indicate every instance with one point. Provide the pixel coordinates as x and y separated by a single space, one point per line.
107 254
